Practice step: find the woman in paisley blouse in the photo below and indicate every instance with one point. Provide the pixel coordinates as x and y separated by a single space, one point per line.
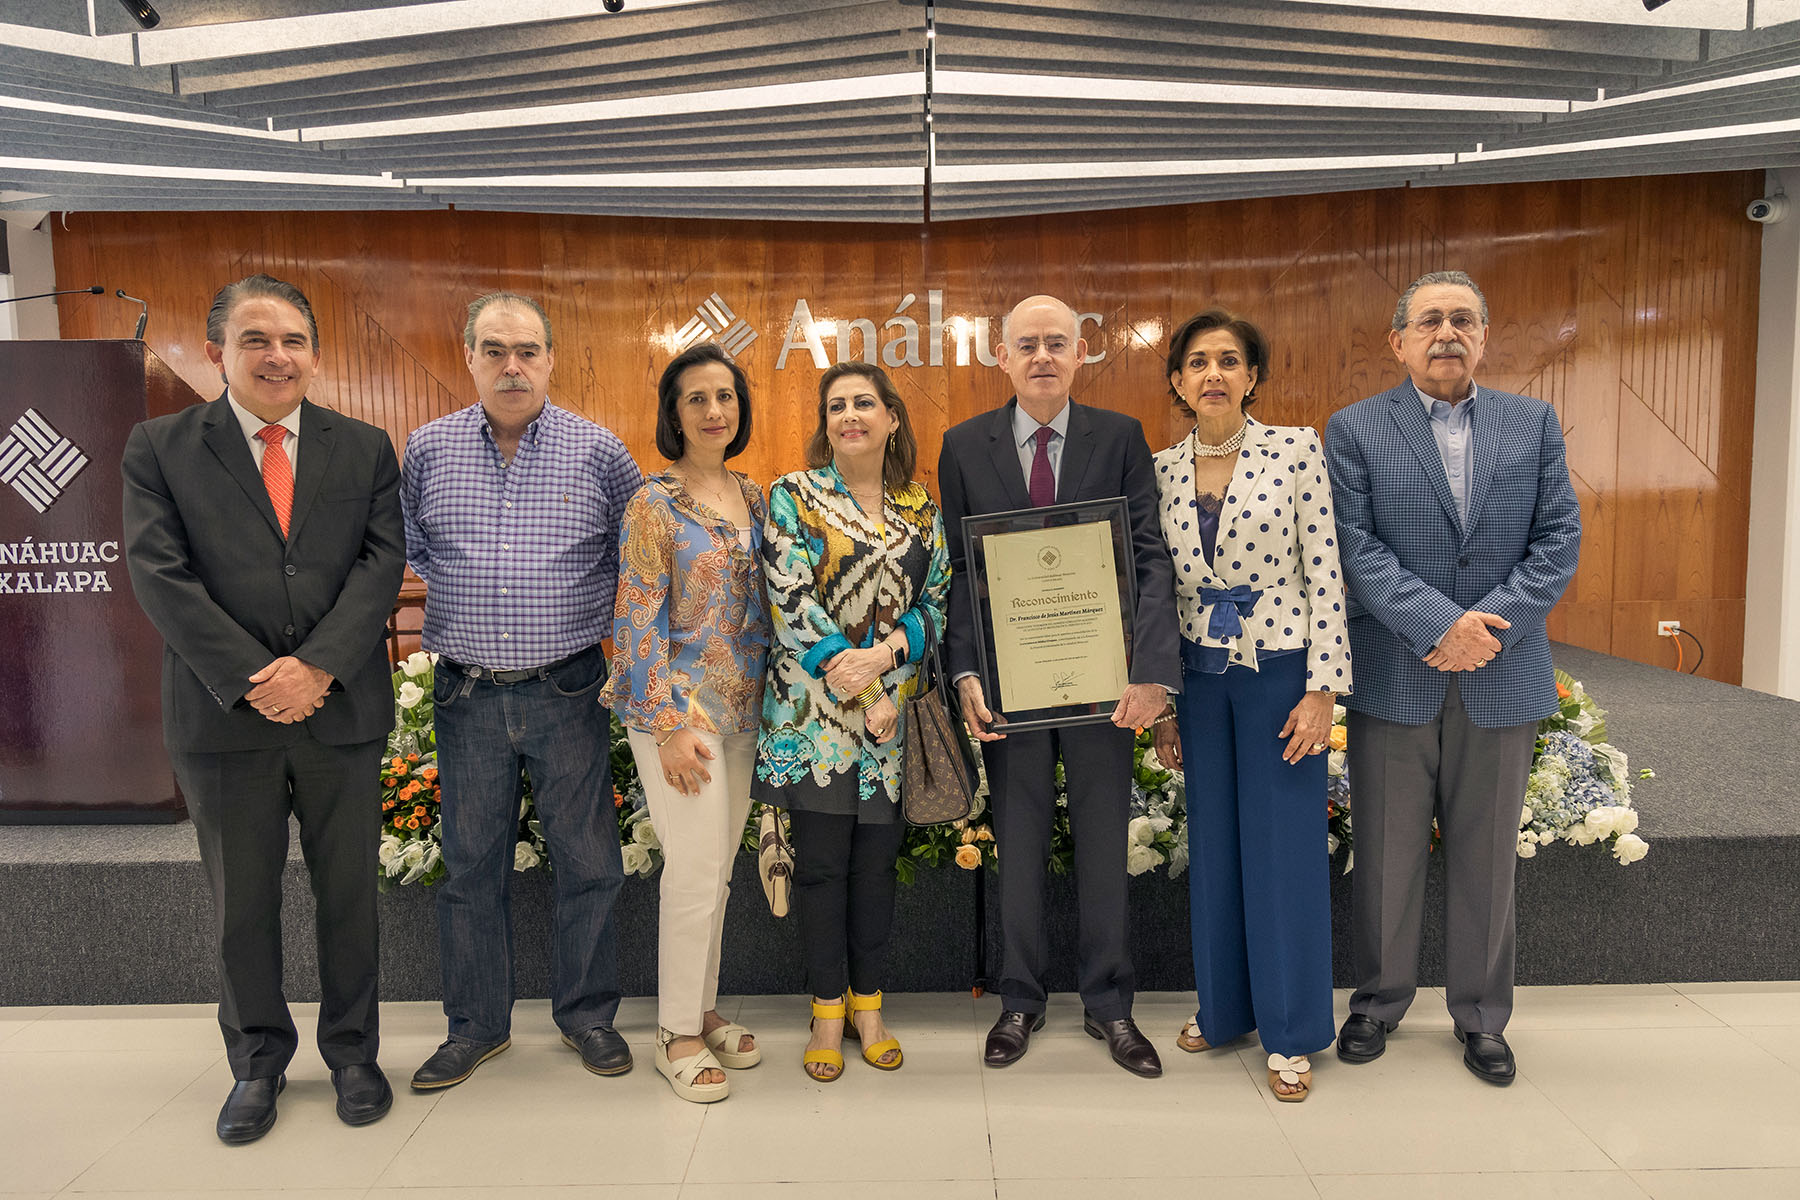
1246 511
690 638
857 571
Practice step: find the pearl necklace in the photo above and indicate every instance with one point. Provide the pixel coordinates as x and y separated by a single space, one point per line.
1229 446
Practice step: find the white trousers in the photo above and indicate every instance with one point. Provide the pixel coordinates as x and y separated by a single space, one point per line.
700 835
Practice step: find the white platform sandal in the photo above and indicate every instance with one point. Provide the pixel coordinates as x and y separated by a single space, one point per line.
724 1042
1291 1072
681 1076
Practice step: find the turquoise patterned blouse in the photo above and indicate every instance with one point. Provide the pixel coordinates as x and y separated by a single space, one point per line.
691 625
839 578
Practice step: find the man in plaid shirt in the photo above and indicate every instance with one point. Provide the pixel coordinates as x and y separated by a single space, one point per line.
512 510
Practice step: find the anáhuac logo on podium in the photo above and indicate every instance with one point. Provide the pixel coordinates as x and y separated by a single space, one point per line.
39 463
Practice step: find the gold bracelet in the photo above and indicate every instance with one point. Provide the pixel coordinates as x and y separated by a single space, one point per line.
870 695
667 738
1164 719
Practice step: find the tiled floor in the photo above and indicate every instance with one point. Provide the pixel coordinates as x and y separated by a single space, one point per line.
1669 1092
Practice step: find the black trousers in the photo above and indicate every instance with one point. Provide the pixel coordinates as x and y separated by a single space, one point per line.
844 894
1097 768
240 803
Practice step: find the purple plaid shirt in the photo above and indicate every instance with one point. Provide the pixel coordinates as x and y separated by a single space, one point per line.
520 561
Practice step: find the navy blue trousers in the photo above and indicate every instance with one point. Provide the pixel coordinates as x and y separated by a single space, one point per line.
1258 877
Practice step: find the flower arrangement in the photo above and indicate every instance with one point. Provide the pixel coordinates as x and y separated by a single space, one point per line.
1579 792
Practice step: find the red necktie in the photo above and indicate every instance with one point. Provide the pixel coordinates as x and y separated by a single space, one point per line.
1043 479
278 474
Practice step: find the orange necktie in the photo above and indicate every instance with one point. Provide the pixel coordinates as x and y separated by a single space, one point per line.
278 474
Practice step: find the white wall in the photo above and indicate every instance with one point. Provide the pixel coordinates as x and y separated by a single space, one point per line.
33 271
1772 585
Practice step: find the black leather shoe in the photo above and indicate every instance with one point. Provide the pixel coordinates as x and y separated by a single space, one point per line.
363 1093
1130 1049
1488 1055
1011 1034
249 1111
454 1062
602 1050
1363 1038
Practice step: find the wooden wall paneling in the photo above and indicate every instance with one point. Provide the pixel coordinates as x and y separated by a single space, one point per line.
1628 303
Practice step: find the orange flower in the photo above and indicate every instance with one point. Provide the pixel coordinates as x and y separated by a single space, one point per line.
968 857
398 764
1562 693
1340 737
425 821
413 757
412 822
428 773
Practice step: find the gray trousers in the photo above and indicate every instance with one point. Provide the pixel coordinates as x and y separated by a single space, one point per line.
1473 781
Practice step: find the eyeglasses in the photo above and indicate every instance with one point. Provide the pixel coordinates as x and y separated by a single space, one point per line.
1462 321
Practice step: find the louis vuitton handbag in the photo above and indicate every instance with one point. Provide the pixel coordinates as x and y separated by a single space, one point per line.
937 778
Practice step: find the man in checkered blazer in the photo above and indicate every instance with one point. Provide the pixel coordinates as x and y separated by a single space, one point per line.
1459 530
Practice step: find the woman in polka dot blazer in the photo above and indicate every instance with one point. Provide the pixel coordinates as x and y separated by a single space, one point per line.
1246 511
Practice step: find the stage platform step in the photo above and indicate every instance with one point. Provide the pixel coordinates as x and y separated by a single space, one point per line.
121 915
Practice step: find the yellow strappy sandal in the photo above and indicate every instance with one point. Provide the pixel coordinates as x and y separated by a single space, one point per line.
829 1058
872 1054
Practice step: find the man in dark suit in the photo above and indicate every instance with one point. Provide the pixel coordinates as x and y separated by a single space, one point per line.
1459 530
1042 448
264 542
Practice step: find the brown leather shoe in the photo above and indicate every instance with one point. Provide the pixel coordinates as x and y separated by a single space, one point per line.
1130 1049
1011 1034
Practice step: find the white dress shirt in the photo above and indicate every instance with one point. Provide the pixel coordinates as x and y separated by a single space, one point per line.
252 425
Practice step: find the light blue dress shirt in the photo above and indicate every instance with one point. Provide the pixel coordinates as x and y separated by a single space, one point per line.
1450 425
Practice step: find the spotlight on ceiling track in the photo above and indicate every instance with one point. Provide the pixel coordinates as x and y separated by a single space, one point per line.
146 16
1653 5
614 6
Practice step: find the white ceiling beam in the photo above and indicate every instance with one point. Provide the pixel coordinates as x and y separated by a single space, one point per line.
1162 91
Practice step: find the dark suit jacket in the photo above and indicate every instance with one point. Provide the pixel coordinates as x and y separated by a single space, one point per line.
229 595
1104 455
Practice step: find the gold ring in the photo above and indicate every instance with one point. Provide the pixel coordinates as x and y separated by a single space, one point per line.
274 711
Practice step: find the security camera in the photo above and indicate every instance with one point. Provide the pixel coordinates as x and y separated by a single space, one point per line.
613 5
1766 210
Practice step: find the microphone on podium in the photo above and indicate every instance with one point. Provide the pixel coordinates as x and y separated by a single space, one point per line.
143 315
95 290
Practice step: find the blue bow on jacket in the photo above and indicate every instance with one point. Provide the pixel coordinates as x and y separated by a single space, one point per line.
1229 606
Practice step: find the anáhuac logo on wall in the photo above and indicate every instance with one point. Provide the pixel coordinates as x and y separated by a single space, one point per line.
899 340
38 461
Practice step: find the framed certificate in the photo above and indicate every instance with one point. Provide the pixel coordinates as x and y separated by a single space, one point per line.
1055 589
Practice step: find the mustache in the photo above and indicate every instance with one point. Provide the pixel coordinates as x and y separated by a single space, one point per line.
512 385
1441 349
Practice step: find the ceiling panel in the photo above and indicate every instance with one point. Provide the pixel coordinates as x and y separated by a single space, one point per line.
890 110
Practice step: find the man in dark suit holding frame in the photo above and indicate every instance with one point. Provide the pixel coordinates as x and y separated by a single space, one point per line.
264 542
1041 448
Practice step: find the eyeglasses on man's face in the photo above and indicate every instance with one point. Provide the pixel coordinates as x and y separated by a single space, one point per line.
1462 321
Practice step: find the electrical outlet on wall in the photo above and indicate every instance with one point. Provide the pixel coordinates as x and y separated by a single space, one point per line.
1667 628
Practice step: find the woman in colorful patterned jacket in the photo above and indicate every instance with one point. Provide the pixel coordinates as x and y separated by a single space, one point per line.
690 639
857 571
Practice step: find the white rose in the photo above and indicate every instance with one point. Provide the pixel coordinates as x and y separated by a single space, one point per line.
410 694
1339 714
416 664
1525 816
1336 762
1527 847
1629 848
412 855
1582 835
1600 820
1546 837
390 848
1625 819
525 857
1140 858
1152 762
644 834
1140 832
637 859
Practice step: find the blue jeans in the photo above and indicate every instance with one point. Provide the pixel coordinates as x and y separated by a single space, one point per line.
557 731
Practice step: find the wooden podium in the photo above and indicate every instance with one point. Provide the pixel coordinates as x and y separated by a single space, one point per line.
81 671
